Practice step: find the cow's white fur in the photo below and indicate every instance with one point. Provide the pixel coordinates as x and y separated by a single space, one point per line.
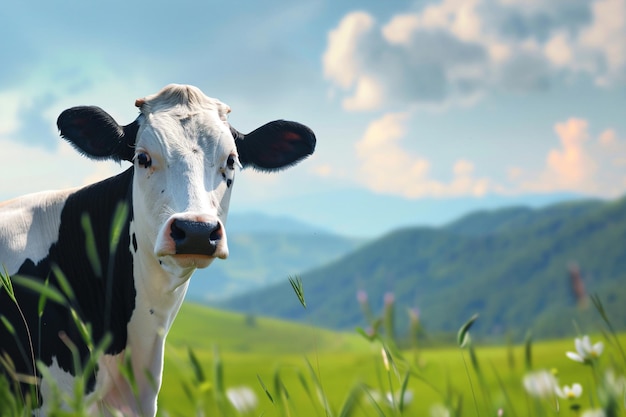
189 146
28 226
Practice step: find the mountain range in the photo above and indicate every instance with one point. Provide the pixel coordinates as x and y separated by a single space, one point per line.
263 250
512 266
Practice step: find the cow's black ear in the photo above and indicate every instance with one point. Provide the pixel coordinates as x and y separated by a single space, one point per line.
275 145
94 133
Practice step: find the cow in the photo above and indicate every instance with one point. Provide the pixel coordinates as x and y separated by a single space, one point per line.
184 156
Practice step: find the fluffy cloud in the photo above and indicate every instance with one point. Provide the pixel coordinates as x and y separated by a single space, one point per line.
386 167
570 165
581 163
456 50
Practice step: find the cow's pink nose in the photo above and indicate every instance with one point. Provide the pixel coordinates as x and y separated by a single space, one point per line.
196 238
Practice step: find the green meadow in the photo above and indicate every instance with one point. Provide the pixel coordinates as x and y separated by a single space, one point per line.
292 362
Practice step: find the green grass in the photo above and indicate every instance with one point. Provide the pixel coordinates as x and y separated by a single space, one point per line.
307 371
340 361
203 327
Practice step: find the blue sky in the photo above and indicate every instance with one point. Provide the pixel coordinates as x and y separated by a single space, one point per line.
447 104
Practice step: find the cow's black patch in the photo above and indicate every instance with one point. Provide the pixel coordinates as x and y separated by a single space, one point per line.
134 242
105 302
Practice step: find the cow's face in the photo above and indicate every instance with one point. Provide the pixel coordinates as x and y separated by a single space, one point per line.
185 160
185 155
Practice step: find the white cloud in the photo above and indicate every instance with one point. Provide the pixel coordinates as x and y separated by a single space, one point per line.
570 165
386 167
558 50
454 49
606 36
581 163
343 41
368 95
400 28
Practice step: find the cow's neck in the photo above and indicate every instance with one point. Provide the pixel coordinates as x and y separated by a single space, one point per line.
159 296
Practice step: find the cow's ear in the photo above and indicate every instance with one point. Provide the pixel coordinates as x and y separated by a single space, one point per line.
276 145
94 133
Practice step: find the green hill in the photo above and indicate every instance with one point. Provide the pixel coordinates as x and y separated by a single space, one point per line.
262 256
203 327
509 265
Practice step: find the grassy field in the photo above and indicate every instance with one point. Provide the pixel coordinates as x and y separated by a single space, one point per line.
250 349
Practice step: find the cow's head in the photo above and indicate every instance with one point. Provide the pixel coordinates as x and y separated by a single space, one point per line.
185 154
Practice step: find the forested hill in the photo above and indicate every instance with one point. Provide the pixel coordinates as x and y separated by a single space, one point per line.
509 265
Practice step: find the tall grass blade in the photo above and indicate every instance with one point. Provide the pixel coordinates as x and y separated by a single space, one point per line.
462 335
63 283
83 328
218 382
41 305
307 389
126 369
403 388
471 384
298 288
50 292
319 388
350 402
505 393
5 282
267 392
119 220
528 351
377 408
90 244
597 303
198 373
8 325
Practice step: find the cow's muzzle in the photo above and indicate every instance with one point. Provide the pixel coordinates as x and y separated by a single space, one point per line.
192 239
195 237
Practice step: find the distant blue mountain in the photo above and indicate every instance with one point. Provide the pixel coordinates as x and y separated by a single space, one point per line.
264 250
510 265
363 213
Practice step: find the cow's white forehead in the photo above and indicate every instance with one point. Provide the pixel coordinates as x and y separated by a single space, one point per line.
180 112
182 100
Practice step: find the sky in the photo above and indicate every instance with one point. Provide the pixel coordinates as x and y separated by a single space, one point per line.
422 109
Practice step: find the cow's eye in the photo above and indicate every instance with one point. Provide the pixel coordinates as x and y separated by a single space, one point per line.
230 162
143 159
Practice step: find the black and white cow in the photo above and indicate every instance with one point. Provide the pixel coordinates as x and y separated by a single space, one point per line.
184 156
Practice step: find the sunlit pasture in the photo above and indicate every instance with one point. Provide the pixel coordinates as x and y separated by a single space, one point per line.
313 372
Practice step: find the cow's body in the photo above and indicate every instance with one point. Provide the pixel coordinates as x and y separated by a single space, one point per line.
176 195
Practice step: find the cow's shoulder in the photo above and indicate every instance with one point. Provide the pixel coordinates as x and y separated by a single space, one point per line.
29 225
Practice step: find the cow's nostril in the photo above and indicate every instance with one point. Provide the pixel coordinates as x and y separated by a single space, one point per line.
216 234
176 233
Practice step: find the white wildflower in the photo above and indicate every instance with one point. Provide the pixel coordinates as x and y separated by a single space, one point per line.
540 384
390 399
570 393
616 385
439 410
407 397
585 351
242 398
